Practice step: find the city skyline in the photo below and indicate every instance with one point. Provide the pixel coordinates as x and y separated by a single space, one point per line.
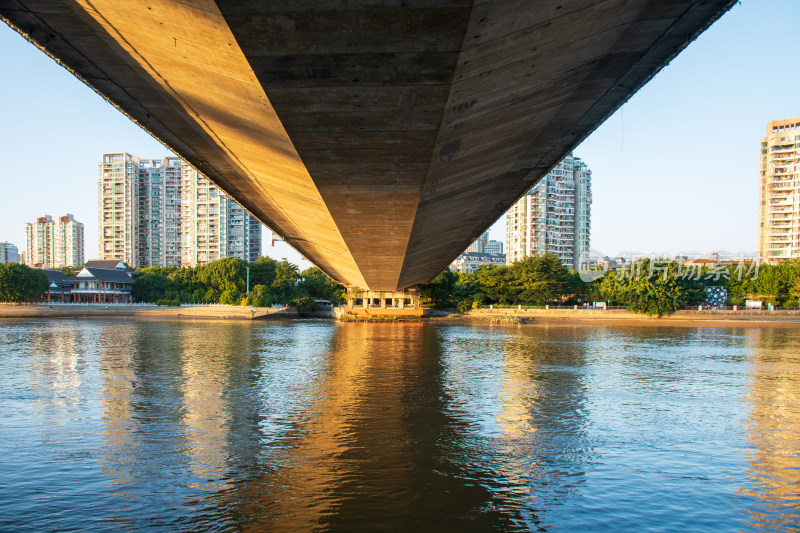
652 148
163 213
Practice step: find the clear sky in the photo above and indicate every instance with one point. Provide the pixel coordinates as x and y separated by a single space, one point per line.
674 170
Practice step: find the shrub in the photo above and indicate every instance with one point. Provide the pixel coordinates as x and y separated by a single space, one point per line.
261 301
305 304
463 306
230 297
165 302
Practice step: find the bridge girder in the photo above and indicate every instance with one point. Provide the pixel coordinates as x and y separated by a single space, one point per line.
377 137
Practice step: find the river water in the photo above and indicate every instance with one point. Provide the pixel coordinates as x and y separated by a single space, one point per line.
318 426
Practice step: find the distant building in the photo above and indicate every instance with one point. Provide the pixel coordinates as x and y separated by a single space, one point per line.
779 193
494 247
554 216
481 252
469 262
162 212
213 225
54 243
8 253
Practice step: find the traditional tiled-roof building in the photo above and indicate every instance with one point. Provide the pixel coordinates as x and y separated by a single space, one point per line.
103 285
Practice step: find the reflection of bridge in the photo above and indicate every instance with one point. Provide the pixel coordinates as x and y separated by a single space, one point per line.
376 139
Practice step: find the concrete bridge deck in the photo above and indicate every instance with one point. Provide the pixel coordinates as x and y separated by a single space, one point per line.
377 137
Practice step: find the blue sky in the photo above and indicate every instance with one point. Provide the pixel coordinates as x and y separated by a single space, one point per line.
674 170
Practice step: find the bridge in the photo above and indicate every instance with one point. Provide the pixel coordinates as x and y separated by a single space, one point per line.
377 137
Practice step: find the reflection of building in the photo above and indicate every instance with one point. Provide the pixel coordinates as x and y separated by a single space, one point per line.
481 252
162 212
54 243
773 432
554 216
779 193
8 253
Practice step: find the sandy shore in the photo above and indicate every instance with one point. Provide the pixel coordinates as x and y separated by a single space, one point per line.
145 311
568 317
680 319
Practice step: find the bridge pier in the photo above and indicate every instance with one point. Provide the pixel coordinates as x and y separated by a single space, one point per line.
367 303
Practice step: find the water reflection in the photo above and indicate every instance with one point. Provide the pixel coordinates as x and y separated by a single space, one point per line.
321 426
773 431
375 449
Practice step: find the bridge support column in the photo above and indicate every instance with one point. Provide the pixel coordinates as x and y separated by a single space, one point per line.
386 301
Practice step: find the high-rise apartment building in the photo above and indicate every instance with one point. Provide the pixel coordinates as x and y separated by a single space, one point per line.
54 243
118 208
214 226
779 193
8 253
159 241
554 216
161 212
69 242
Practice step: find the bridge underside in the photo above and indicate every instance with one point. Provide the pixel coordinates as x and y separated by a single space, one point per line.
377 137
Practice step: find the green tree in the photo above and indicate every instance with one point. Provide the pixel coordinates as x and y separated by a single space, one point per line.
305 304
19 283
262 272
440 290
149 287
230 297
286 278
651 287
319 285
228 273
540 279
496 283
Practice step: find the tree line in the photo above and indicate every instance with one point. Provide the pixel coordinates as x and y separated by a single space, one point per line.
225 281
650 286
20 283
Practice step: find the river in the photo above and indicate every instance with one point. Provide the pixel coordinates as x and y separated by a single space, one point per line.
323 426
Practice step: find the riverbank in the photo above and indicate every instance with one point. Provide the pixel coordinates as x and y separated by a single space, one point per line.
621 317
507 316
213 312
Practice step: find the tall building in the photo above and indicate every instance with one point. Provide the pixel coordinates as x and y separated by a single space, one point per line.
483 245
213 225
554 216
54 243
69 242
779 193
162 212
8 253
159 242
118 208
